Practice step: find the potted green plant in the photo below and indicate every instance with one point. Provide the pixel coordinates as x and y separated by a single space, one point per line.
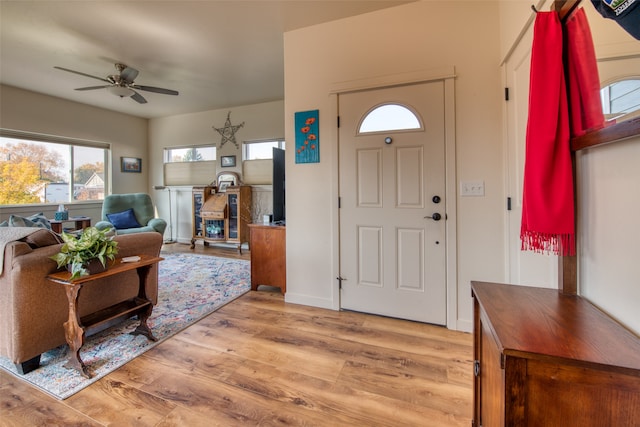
79 254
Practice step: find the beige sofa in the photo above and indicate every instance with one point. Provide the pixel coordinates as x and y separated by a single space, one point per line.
33 309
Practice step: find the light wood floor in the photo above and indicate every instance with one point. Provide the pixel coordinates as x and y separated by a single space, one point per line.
259 361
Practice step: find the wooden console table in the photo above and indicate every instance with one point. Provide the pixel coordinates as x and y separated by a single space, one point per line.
76 328
81 222
268 256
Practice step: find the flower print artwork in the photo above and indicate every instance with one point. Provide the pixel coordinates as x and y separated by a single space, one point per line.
307 137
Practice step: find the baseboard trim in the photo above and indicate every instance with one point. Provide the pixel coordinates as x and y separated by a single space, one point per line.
293 298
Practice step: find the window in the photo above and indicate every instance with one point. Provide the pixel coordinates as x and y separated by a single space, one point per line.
621 98
37 169
191 165
255 150
190 154
389 117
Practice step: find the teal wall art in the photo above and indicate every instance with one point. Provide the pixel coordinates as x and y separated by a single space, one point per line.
307 137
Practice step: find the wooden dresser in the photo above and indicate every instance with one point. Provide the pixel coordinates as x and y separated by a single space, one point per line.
268 256
543 358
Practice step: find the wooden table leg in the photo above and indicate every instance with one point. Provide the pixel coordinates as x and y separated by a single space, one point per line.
143 328
74 332
81 224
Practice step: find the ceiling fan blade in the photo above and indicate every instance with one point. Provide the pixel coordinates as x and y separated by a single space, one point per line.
92 87
155 89
129 74
138 98
82 74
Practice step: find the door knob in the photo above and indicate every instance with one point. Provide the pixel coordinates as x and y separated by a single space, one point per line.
436 216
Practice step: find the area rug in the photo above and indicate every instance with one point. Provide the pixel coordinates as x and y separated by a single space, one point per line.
190 287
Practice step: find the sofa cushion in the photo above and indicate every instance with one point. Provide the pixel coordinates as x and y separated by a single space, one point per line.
35 220
122 220
42 238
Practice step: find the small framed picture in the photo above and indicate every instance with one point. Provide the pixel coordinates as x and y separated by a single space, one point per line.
228 161
130 164
222 186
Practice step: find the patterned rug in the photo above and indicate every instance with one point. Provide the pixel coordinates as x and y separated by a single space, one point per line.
190 287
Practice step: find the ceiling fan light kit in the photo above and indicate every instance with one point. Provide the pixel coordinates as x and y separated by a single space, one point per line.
120 91
122 84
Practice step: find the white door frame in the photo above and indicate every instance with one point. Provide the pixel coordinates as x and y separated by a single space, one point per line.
447 75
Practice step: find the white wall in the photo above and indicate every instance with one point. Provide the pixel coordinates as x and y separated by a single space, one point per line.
127 135
514 16
609 202
608 195
412 37
261 121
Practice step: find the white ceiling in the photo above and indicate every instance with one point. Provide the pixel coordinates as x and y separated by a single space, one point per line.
217 54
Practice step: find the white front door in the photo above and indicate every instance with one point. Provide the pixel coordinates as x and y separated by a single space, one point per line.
392 210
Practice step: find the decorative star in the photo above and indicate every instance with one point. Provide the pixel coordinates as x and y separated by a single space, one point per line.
228 132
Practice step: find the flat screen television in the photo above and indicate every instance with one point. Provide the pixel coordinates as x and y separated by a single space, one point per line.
279 199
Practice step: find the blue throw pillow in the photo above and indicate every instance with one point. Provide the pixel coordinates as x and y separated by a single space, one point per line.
122 220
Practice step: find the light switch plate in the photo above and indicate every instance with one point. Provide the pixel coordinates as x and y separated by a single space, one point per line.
472 188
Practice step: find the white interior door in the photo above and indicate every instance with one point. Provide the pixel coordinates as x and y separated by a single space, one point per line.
392 217
524 268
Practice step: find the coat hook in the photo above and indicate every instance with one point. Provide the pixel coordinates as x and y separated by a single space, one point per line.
534 9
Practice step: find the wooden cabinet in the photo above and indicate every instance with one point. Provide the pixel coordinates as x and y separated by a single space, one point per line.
543 358
268 256
199 196
221 217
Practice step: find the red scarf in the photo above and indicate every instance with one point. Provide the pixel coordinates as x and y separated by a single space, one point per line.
548 223
547 205
584 82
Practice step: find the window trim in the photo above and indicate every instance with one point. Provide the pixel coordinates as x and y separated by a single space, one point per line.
53 139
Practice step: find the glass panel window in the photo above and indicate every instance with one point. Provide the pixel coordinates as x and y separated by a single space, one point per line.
255 150
37 171
389 117
621 98
190 154
88 174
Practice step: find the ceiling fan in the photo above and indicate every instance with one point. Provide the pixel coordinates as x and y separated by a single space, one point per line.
122 84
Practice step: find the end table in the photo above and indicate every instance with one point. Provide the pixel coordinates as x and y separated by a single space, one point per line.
81 222
76 328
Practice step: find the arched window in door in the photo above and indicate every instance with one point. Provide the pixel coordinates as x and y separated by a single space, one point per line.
390 117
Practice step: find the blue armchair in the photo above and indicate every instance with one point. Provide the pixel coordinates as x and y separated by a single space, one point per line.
130 213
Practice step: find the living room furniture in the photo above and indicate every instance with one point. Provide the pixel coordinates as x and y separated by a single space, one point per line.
543 358
32 309
80 223
268 256
221 217
77 328
141 206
